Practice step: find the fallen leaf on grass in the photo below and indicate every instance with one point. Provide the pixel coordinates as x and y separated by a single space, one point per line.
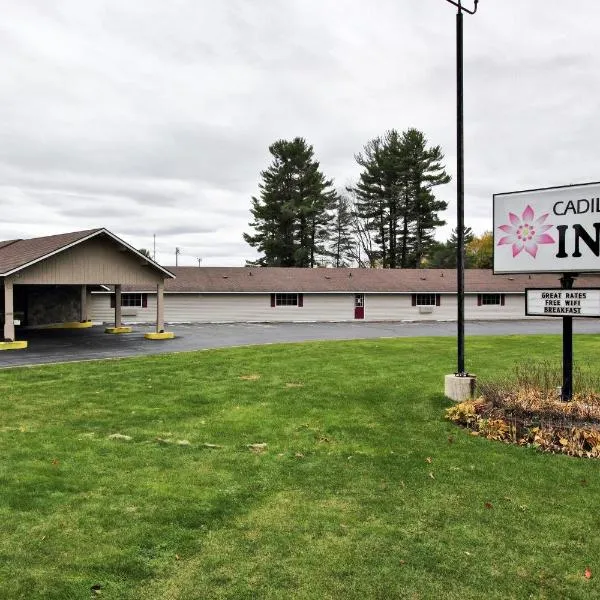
431 475
428 459
450 439
177 557
120 436
294 385
257 448
299 455
588 573
468 553
55 461
489 505
252 377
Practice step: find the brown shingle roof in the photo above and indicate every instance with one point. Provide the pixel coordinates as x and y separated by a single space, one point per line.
272 279
18 253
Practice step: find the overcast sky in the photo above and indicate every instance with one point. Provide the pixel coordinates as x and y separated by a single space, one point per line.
152 117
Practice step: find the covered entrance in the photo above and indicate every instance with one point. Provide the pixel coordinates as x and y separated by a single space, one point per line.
47 282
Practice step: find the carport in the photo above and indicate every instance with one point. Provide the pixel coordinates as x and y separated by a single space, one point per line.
47 281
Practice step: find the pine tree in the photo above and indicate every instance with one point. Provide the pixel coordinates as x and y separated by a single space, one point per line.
343 242
292 217
395 195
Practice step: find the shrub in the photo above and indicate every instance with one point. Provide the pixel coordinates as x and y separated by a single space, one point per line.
526 409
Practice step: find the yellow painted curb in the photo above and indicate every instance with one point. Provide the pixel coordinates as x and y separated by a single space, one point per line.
66 325
165 335
118 330
13 345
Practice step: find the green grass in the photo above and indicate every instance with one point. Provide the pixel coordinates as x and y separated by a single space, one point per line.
363 491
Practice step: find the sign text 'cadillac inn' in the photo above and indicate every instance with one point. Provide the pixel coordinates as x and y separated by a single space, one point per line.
551 230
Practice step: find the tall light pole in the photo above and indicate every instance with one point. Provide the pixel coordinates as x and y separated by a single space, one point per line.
460 187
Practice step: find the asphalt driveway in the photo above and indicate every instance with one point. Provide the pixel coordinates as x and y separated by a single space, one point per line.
52 346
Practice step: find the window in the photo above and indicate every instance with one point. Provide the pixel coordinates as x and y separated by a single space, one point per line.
490 299
287 300
131 300
425 299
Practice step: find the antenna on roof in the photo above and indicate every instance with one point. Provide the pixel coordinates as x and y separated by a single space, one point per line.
199 261
177 253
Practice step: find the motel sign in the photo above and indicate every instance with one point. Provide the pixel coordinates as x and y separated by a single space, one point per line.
551 230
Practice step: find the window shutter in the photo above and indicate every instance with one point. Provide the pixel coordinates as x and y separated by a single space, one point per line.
478 299
437 299
414 299
300 300
112 300
272 300
501 299
144 300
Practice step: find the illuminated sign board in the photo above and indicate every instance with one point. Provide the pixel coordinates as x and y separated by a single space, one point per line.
556 302
551 230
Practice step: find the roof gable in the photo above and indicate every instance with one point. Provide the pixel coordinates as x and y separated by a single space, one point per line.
16 255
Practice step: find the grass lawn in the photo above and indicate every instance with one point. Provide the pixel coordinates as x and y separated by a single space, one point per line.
363 491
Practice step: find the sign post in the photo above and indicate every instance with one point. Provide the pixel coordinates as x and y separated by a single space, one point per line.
566 392
552 230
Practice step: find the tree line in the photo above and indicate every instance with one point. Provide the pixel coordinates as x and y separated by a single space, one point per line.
387 219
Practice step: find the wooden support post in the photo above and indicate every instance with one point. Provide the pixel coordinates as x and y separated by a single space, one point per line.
160 307
118 305
83 313
9 317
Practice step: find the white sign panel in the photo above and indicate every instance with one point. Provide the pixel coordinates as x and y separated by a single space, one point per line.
552 230
563 303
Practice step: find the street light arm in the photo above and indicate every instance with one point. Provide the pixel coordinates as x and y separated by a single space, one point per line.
461 7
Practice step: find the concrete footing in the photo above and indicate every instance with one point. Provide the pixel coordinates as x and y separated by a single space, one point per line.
459 388
121 329
162 335
18 345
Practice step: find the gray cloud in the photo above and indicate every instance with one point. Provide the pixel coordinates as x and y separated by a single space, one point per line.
155 118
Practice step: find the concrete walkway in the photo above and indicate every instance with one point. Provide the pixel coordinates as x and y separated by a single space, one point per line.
52 346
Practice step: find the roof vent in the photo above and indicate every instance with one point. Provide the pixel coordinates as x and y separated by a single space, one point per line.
350 274
441 274
423 278
327 276
225 276
511 278
249 273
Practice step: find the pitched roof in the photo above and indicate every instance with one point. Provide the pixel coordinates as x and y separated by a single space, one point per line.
281 279
19 254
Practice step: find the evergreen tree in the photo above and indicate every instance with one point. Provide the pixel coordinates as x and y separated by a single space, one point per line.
442 255
394 195
293 215
343 242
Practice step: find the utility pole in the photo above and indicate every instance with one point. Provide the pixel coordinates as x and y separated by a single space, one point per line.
199 261
460 188
177 253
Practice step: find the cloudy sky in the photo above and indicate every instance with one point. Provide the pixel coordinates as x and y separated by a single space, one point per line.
152 117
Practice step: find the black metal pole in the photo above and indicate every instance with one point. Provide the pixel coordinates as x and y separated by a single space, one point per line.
566 282
460 197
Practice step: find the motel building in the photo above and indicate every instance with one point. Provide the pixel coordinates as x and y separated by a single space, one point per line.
276 294
78 279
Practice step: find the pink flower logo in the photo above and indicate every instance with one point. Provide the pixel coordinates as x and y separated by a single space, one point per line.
526 233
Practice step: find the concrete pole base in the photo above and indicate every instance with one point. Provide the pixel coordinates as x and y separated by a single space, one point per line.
459 388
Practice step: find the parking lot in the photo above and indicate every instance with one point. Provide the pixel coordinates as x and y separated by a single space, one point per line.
55 345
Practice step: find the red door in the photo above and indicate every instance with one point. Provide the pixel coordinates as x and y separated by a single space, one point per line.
359 306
